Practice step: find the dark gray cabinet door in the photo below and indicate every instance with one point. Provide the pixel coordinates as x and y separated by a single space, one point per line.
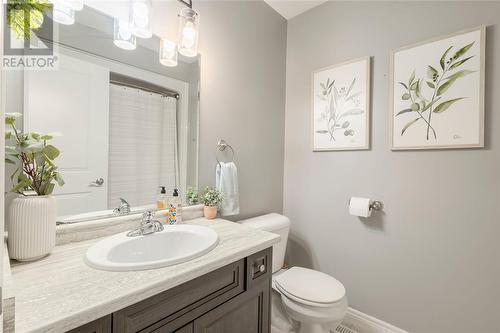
186 329
246 313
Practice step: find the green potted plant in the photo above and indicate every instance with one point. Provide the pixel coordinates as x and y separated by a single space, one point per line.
32 214
192 196
212 199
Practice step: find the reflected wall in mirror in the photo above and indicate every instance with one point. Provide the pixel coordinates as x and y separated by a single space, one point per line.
127 124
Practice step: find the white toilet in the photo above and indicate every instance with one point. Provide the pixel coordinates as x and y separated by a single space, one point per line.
314 299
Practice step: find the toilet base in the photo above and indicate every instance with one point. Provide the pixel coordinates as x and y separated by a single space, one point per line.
317 328
312 328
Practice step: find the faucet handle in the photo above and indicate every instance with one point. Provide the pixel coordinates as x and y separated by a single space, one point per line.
148 215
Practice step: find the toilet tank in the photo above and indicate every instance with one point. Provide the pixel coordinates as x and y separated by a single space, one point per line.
277 224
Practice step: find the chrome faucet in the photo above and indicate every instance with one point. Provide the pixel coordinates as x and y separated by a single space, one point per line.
148 225
123 208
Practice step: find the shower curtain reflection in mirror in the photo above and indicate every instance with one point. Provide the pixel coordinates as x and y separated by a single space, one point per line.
142 145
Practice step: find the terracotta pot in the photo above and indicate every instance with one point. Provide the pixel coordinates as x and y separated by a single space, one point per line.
210 212
31 227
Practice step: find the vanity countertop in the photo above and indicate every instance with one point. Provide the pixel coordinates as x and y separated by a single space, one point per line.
60 292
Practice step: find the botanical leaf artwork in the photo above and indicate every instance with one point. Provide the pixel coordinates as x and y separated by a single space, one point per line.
429 97
340 110
340 105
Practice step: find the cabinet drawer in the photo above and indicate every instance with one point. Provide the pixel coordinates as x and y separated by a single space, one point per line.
259 267
217 286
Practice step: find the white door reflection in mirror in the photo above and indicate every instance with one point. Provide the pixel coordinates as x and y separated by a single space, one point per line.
74 101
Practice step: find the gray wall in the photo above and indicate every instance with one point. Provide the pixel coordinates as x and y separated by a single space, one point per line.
243 46
431 262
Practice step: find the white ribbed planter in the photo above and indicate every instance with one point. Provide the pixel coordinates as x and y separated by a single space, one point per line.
31 227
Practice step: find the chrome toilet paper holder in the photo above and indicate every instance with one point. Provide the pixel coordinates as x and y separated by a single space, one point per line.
376 205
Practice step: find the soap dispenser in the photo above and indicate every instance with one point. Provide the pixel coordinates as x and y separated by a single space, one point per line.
175 208
161 202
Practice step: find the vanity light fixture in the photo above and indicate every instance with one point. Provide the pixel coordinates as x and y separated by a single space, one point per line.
140 18
73 4
63 14
123 37
188 32
168 53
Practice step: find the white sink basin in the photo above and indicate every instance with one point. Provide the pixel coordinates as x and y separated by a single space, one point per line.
174 245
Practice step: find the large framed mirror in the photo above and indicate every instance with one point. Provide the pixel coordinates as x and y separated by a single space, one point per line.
125 124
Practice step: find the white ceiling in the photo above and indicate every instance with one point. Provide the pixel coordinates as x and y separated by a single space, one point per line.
291 8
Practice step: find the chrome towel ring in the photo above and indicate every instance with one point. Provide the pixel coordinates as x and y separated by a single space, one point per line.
222 146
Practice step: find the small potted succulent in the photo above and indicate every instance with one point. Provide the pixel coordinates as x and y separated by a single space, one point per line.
212 199
32 214
192 196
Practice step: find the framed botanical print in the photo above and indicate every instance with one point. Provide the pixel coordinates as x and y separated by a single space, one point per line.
341 106
437 93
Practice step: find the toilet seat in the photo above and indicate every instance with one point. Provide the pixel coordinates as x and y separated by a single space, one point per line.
309 287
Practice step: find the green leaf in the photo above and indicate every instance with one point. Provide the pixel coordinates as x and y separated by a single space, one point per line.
10 118
459 74
412 77
22 183
331 84
353 95
417 90
352 112
11 150
415 107
322 85
59 179
35 136
351 86
403 111
404 85
408 125
405 97
431 85
445 105
462 51
414 85
9 161
51 152
431 72
451 79
430 104
46 137
33 147
442 62
458 63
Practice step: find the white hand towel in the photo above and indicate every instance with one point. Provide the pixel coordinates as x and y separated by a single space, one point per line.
226 181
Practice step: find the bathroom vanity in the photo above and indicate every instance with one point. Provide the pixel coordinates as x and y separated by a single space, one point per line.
225 290
234 298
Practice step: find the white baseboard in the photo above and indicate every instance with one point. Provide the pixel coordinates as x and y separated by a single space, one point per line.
363 323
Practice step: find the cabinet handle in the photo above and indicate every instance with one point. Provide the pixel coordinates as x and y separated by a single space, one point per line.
97 183
261 268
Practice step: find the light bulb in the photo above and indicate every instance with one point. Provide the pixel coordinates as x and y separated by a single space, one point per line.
123 37
188 35
168 53
188 32
140 18
63 14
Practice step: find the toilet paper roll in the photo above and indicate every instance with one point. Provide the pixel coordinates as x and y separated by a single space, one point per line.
360 207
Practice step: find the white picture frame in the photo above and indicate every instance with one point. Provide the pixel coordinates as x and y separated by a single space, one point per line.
340 110
437 93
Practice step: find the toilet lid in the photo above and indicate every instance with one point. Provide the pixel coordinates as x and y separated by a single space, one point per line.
310 285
